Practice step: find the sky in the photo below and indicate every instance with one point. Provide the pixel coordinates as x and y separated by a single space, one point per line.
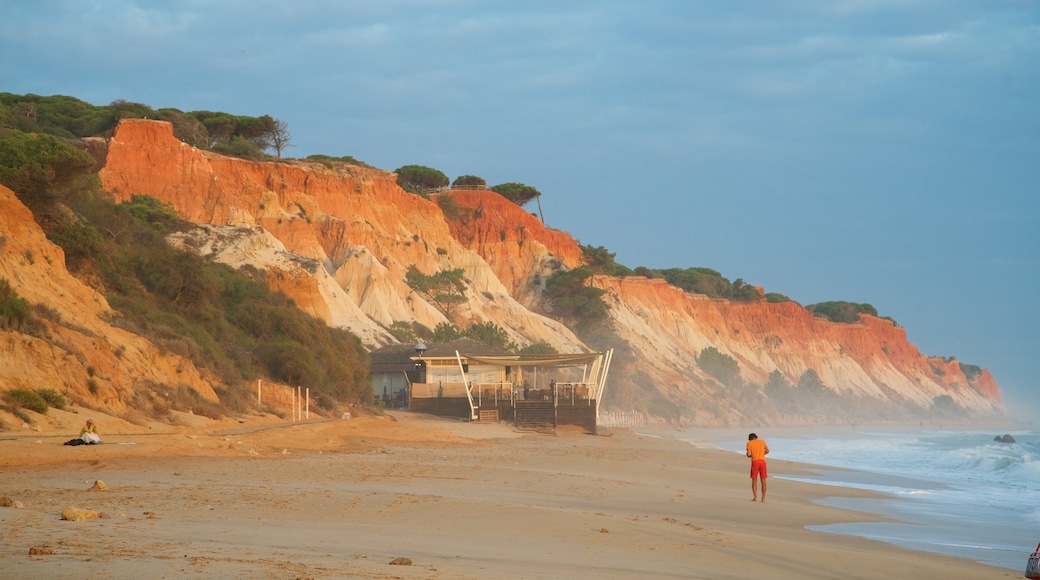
881 151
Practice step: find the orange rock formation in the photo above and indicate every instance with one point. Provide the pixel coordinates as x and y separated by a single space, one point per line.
339 241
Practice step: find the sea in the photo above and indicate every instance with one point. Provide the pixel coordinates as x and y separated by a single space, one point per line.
955 492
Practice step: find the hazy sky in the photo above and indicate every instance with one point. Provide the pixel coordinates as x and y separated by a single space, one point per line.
872 151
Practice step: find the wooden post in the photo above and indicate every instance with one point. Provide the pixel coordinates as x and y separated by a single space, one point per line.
308 404
258 401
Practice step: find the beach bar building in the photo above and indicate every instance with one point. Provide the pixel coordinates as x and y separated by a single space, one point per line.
475 382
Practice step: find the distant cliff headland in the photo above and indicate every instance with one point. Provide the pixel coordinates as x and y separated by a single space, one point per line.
156 259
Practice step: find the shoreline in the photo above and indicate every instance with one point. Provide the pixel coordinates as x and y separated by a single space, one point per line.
343 498
916 502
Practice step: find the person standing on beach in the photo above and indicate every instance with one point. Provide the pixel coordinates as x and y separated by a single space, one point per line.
757 451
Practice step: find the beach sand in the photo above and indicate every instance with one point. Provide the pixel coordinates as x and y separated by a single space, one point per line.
344 498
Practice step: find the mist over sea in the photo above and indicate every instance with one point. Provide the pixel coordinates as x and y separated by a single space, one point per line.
954 492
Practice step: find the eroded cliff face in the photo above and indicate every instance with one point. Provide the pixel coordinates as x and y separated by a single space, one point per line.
669 328
79 352
339 241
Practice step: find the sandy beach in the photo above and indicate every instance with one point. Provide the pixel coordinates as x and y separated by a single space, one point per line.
347 498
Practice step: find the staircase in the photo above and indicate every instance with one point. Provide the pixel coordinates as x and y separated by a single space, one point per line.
535 415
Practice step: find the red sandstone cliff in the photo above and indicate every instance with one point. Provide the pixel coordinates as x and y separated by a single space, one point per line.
339 241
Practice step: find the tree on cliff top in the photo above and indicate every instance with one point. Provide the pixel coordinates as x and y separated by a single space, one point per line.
517 193
469 181
520 194
279 137
420 179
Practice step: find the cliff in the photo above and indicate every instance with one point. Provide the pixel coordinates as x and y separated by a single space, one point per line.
79 352
340 240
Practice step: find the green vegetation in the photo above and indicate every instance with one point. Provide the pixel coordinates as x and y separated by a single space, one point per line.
490 334
420 179
15 312
224 320
601 261
810 382
330 161
945 406
839 311
541 347
26 399
487 333
471 181
404 331
445 332
445 288
721 366
517 193
68 117
775 297
704 281
450 208
53 398
971 372
777 386
41 168
572 299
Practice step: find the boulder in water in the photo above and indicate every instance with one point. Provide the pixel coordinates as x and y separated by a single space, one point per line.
1005 439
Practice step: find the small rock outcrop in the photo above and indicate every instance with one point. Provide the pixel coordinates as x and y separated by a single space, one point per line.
75 514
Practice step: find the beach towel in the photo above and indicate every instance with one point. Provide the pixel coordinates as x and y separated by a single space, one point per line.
1033 566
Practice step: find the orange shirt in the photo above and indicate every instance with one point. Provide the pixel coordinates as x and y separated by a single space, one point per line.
757 448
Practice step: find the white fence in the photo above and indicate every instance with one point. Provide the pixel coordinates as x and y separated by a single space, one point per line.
621 419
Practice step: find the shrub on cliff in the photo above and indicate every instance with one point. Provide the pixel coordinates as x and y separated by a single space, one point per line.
330 161
840 311
571 299
971 372
721 366
15 312
239 147
601 261
26 399
704 281
52 397
41 169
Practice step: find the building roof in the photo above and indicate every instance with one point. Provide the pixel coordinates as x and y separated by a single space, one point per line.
399 357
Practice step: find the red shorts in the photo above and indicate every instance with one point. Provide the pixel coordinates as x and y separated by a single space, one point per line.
758 468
